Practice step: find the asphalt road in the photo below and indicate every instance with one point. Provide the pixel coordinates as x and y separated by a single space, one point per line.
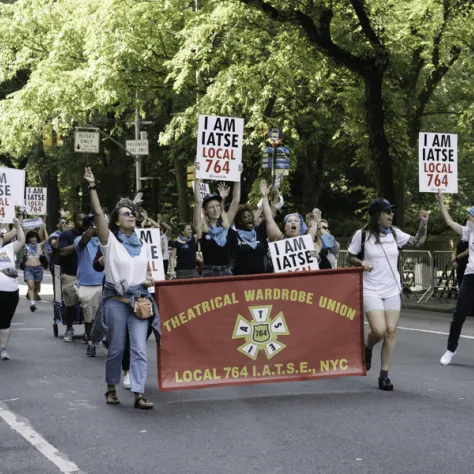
52 394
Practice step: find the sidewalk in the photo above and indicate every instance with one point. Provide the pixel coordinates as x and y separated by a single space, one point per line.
434 305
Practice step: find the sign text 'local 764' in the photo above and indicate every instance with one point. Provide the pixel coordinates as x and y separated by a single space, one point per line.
219 148
36 200
438 162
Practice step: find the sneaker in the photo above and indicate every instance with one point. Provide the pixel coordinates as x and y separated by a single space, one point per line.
447 357
126 382
368 358
385 384
84 339
68 335
4 355
33 308
90 350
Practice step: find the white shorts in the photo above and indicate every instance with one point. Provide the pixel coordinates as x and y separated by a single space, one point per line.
89 297
372 303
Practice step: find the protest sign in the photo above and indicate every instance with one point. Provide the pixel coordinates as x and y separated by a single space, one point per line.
12 193
438 162
260 329
33 223
293 255
219 148
36 200
204 189
152 238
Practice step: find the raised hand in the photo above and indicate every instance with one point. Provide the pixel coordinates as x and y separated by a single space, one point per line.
264 191
137 200
424 216
224 190
89 176
197 165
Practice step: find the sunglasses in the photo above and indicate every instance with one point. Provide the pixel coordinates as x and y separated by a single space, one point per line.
128 214
324 227
388 211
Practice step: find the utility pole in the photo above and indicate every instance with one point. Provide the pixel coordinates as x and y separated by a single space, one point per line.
138 158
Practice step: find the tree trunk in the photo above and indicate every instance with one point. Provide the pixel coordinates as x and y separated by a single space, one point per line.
180 173
54 200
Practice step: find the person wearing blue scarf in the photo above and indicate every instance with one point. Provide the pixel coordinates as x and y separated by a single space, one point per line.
212 226
127 277
249 243
33 272
183 254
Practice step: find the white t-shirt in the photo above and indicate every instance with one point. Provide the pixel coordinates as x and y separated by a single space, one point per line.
381 281
120 266
468 236
165 245
7 260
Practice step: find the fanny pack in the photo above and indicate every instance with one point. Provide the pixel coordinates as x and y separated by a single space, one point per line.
143 308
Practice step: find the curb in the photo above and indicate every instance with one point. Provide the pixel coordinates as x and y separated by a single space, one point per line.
432 308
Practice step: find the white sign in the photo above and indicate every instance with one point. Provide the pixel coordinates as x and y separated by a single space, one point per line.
12 193
151 237
204 189
86 142
438 162
33 223
219 148
293 255
137 147
36 200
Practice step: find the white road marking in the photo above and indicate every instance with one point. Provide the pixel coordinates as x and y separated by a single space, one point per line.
10 400
23 428
16 324
28 329
440 333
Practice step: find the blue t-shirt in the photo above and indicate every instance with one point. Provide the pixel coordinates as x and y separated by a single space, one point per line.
86 275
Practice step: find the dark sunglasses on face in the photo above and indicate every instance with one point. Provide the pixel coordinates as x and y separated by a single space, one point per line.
388 211
128 214
324 227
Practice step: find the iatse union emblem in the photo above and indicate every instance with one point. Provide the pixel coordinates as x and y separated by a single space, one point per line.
261 332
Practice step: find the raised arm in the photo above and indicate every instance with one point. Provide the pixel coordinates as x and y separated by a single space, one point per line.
446 217
273 231
234 204
419 239
20 235
100 221
197 219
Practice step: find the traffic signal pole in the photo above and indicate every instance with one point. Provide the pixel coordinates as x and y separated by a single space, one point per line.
138 159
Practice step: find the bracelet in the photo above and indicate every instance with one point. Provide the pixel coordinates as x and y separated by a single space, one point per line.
94 186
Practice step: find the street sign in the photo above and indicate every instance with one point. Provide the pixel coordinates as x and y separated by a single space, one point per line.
137 147
86 142
275 136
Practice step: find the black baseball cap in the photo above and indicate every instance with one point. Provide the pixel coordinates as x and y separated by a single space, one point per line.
211 197
86 222
380 204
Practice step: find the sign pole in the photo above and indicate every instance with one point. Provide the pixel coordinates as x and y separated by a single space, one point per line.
138 159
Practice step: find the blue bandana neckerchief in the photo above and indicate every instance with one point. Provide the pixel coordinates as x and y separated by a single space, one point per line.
185 240
303 228
131 242
218 234
328 241
249 237
385 232
32 249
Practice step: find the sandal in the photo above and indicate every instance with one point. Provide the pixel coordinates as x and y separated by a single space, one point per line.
111 396
143 404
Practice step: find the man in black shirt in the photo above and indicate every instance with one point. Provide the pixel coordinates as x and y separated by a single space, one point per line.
68 260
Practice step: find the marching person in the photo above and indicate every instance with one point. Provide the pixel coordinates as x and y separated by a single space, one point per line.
183 254
315 229
249 243
68 261
465 300
33 272
376 249
9 295
126 302
213 229
460 259
52 244
89 281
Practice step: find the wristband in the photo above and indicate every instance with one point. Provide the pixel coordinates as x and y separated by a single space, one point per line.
280 203
94 186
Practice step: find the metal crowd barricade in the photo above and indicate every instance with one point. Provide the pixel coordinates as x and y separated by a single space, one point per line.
417 273
444 276
341 259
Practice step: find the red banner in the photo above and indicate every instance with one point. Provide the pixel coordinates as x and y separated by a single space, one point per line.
264 328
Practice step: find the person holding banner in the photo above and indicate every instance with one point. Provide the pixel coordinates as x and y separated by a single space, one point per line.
33 272
212 229
183 254
465 300
126 302
376 249
9 295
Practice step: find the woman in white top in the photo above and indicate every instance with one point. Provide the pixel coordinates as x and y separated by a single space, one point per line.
376 248
127 277
9 296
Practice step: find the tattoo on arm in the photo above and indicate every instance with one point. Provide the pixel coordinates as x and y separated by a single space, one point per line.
419 239
353 260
